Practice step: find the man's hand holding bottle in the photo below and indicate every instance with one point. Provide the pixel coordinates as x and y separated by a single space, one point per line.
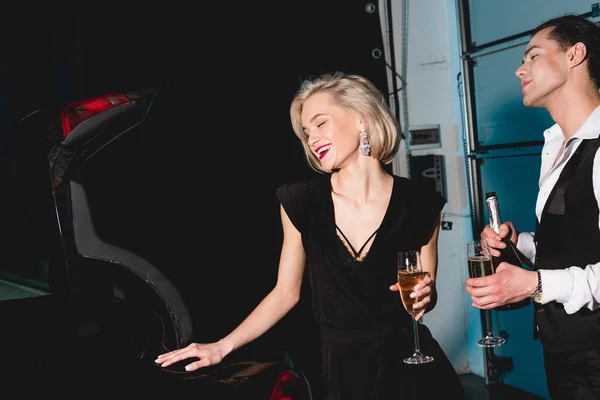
498 240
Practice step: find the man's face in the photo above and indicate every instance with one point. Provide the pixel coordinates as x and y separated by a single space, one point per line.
544 70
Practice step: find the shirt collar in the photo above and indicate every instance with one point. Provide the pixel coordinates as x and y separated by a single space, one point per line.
590 129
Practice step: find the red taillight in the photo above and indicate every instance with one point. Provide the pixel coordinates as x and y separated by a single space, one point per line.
76 113
285 387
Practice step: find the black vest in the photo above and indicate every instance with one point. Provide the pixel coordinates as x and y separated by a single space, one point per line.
568 235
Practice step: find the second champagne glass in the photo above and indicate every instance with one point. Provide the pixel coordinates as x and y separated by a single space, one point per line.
480 264
410 272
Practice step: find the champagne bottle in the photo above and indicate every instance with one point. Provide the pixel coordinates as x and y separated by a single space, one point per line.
509 254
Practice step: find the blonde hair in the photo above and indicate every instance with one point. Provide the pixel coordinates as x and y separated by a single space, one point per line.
359 96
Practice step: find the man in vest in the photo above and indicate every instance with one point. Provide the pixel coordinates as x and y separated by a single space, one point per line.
560 72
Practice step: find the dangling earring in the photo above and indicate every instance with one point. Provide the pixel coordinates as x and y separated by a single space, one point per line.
365 146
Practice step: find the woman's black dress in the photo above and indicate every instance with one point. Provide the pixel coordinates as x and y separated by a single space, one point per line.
365 330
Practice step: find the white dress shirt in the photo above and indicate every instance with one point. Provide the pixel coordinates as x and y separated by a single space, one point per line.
577 286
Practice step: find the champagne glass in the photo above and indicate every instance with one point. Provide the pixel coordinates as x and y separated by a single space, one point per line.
480 264
410 272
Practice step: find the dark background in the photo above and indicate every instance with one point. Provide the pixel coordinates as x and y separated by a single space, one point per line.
239 65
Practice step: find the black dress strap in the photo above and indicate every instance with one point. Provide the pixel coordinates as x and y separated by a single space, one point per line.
356 254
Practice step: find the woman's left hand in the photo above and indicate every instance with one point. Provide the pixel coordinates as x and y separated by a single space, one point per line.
423 290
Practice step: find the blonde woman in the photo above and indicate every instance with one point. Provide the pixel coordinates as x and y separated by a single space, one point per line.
346 226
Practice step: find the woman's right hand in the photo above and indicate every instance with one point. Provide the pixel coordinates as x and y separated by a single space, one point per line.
208 354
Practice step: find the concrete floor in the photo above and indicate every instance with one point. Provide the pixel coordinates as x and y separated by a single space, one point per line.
476 389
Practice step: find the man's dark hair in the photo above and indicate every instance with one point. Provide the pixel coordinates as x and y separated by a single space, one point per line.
570 29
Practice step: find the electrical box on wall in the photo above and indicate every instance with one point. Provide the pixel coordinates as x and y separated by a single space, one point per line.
430 170
424 137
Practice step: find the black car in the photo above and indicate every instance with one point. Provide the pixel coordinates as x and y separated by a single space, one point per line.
125 212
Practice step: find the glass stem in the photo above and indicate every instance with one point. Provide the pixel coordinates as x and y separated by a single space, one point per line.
416 336
488 323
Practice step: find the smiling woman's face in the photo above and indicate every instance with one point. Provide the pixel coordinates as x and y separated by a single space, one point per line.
333 133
